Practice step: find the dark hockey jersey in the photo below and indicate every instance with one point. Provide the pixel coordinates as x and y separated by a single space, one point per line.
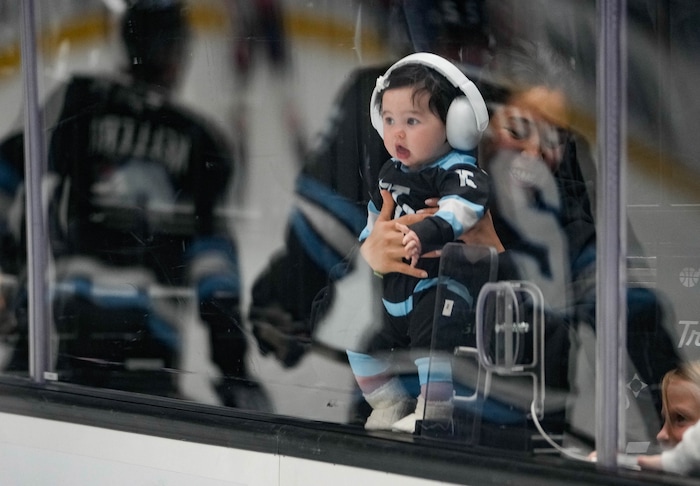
332 191
140 176
462 189
134 182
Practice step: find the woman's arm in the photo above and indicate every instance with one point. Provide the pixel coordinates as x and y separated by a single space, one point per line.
383 249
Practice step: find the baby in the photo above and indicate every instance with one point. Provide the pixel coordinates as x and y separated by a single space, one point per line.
431 118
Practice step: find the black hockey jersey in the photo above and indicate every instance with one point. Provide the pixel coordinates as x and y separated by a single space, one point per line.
140 176
135 181
462 189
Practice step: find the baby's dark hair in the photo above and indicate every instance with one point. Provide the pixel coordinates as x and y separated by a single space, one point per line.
424 80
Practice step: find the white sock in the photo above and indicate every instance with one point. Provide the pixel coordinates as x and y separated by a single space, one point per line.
433 410
390 402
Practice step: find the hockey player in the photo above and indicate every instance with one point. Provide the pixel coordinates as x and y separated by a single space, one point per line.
335 183
133 215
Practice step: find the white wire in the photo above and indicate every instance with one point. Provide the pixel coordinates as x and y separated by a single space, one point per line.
566 452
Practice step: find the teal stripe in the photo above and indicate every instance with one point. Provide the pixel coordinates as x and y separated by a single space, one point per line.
365 365
399 309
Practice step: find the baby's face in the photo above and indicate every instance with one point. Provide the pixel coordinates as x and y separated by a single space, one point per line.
412 133
681 410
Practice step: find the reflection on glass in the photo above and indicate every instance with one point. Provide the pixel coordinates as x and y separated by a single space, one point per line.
10 190
204 249
142 257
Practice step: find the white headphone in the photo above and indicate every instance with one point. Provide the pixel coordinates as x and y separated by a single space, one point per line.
467 117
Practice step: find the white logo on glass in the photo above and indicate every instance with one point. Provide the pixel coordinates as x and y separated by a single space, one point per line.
689 277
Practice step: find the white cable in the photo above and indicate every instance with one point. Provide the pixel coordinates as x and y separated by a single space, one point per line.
566 452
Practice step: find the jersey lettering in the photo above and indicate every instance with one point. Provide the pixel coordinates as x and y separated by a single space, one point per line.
395 189
465 178
124 137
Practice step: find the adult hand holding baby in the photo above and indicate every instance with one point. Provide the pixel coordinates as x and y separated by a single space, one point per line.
384 250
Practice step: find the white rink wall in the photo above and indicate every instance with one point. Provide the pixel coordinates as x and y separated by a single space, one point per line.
38 452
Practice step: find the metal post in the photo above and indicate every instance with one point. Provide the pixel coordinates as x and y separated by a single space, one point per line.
611 217
37 250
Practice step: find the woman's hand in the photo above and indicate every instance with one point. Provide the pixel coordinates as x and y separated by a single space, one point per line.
383 250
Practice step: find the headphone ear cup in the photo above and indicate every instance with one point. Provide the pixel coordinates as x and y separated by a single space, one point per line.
461 125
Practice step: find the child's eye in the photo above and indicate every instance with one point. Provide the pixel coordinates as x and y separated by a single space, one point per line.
679 420
413 121
388 120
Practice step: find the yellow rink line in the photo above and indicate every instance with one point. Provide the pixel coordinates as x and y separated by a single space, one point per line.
87 29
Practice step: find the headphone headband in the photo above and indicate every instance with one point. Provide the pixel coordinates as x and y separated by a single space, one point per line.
457 78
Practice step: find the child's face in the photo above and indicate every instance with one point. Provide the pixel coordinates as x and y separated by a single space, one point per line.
412 133
681 409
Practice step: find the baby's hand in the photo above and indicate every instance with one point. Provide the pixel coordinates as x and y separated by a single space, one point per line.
411 244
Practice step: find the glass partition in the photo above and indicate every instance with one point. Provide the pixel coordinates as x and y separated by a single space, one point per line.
211 168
